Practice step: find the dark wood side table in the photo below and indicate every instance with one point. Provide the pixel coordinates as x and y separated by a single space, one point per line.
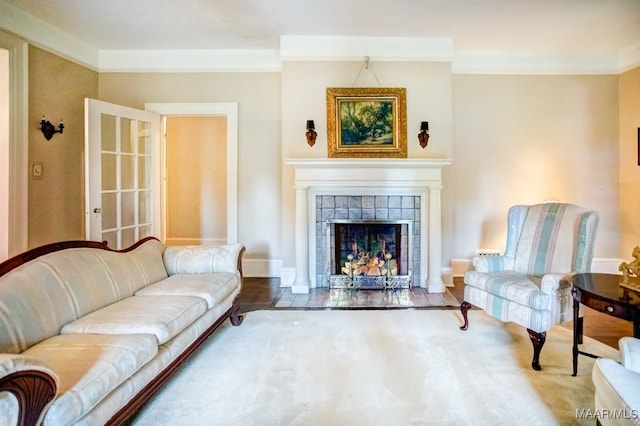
602 293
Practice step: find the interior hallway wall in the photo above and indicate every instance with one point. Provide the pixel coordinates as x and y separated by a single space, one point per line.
196 180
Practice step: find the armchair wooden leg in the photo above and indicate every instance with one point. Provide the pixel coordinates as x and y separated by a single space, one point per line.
538 340
464 308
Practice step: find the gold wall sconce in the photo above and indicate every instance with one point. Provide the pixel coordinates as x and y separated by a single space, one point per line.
48 129
423 136
311 133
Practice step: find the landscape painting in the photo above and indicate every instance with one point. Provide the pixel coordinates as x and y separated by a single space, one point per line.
366 122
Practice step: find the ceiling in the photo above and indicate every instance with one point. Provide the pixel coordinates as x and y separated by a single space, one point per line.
536 26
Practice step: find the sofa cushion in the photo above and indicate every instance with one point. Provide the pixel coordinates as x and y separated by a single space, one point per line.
89 366
39 297
162 316
201 259
510 285
211 287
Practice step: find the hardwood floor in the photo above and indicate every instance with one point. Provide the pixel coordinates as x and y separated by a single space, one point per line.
264 294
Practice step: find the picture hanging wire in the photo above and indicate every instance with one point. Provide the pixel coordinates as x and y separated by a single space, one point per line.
365 66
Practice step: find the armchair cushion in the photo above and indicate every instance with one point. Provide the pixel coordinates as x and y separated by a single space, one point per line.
511 285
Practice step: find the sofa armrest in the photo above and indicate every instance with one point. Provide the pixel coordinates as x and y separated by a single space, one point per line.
203 259
630 353
33 384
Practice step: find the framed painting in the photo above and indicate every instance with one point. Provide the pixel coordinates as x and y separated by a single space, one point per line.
366 122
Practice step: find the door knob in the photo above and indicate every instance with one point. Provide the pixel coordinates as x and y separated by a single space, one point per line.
97 210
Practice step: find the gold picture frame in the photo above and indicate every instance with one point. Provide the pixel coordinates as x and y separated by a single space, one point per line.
367 122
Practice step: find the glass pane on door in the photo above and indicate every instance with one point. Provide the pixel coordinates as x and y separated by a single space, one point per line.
122 200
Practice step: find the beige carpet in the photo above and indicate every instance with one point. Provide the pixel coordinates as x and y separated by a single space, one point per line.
399 367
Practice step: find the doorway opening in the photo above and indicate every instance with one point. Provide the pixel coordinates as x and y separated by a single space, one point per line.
229 112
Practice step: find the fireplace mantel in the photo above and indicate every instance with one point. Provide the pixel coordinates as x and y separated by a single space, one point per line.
368 176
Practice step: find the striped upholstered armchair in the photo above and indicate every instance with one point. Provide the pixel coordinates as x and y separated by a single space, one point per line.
545 242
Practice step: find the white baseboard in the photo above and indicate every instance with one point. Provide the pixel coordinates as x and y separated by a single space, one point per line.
606 266
261 268
447 277
287 276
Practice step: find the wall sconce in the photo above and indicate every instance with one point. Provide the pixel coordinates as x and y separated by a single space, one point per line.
48 129
423 136
311 133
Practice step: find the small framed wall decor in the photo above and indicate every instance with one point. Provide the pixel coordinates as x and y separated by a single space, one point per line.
366 122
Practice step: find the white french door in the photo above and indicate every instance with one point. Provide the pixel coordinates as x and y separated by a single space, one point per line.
122 174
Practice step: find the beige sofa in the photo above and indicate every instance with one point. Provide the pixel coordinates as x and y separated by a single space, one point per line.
88 334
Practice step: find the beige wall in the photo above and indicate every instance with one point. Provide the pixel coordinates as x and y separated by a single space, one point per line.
57 89
304 86
513 139
196 180
629 168
259 152
526 139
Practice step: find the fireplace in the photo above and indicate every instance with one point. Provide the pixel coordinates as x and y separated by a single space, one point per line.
367 243
368 254
340 189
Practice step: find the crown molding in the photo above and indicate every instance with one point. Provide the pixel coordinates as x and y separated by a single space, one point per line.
629 58
331 48
536 64
310 48
47 37
189 61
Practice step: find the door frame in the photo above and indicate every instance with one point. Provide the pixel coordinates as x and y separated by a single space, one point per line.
230 111
14 179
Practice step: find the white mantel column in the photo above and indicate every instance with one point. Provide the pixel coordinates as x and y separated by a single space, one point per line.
302 282
434 280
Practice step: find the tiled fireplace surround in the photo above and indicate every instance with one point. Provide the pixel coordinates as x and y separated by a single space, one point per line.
367 182
361 209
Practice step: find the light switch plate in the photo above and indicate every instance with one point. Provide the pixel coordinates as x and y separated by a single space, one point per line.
36 170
